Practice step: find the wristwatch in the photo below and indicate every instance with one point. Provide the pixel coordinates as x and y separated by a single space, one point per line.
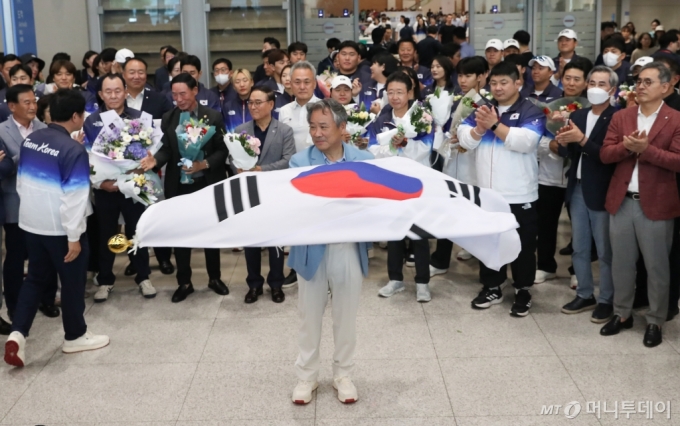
495 126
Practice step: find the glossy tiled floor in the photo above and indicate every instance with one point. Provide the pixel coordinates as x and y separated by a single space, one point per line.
213 360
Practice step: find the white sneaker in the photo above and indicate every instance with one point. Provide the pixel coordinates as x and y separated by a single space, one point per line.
14 349
102 294
573 283
423 293
146 288
542 276
391 289
463 255
436 271
302 394
86 342
347 392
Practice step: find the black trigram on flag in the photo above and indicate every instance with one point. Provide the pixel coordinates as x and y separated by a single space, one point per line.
418 233
233 193
470 192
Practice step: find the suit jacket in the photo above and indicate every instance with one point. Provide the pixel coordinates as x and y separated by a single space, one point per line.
9 134
215 151
6 169
306 259
279 146
155 104
595 176
657 165
160 78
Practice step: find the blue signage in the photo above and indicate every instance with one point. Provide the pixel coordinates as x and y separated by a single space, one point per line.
23 23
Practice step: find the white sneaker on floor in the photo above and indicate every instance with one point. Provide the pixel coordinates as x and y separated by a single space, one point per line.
347 392
86 342
147 289
436 271
463 255
302 394
391 288
542 276
102 293
14 349
423 293
573 283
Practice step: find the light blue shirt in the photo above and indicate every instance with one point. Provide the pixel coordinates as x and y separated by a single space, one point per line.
466 51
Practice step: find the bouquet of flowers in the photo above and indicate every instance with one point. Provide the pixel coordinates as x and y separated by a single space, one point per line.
243 149
358 120
417 120
121 145
558 111
474 102
440 103
143 188
324 82
468 105
192 135
626 96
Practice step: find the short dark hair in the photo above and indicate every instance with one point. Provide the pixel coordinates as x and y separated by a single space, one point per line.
406 20
399 77
351 44
58 65
170 49
651 37
504 69
522 37
110 76
450 49
108 54
272 41
432 29
20 67
377 35
657 21
388 61
191 60
406 40
616 43
476 65
87 56
670 62
297 46
276 55
163 47
10 58
135 58
333 43
184 78
12 95
668 38
517 59
580 63
266 90
607 24
459 33
410 72
43 104
172 62
61 56
222 61
65 103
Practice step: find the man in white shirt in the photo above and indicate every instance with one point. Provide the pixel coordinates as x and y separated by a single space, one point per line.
303 80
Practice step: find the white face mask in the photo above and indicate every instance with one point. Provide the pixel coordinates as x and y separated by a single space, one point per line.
597 96
610 59
222 79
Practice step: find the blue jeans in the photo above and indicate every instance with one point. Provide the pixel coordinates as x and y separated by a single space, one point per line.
587 224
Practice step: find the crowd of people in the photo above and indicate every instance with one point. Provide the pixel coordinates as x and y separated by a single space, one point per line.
614 164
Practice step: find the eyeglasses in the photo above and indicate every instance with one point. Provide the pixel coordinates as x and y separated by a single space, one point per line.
644 83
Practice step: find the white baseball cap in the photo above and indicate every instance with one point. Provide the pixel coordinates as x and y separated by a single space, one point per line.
568 34
641 62
123 54
369 19
511 42
495 43
543 61
659 28
341 80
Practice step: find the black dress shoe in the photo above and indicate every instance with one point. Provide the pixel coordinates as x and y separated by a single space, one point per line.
50 311
166 267
672 313
291 279
251 296
615 325
567 251
652 336
5 327
218 287
579 305
182 292
277 295
130 270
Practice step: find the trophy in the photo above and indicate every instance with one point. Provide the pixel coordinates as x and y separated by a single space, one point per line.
119 243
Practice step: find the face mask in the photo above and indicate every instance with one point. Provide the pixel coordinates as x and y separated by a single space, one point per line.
222 79
597 96
610 59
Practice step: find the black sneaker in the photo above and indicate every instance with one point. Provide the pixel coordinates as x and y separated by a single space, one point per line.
522 303
567 251
291 279
579 305
486 298
602 313
411 260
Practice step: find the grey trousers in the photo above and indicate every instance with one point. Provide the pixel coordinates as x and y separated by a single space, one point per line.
629 229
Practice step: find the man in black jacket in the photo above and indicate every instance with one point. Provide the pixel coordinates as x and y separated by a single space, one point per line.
428 48
589 179
205 172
